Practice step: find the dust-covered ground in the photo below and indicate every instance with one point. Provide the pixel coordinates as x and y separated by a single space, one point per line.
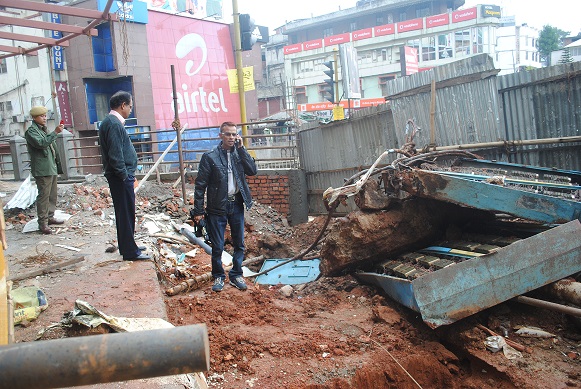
330 333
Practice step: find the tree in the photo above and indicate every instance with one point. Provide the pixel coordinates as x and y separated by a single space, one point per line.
550 39
566 57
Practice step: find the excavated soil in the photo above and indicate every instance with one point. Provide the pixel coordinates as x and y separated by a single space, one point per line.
331 333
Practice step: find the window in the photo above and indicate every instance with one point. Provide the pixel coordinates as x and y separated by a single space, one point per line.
477 41
328 32
353 26
383 83
31 61
301 94
101 105
445 46
421 12
462 39
5 106
38 100
402 16
323 92
103 49
3 67
429 48
379 21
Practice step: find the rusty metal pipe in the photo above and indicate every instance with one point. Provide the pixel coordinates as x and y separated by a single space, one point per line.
99 359
549 305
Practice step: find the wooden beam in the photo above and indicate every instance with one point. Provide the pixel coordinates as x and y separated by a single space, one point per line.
11 49
45 25
32 38
57 9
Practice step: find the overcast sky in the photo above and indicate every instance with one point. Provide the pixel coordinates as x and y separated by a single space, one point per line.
563 14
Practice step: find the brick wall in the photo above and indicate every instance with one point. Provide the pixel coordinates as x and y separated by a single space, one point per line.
271 190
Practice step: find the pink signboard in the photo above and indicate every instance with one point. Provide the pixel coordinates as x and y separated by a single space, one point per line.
314 44
290 49
411 60
386 29
410 25
337 39
437 20
362 34
201 52
62 95
463 15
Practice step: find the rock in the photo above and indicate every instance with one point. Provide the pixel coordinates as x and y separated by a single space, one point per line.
286 291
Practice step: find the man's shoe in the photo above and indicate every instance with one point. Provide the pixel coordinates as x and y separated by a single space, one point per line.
141 248
218 284
52 220
238 283
44 229
140 257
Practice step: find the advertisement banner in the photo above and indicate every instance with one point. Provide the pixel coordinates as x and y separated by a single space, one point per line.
201 52
247 76
362 34
314 44
463 15
337 39
290 49
62 95
437 20
410 25
386 29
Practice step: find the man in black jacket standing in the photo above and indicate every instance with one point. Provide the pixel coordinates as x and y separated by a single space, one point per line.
222 177
119 164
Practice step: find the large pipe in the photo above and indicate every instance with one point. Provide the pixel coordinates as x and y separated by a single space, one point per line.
89 360
549 305
226 257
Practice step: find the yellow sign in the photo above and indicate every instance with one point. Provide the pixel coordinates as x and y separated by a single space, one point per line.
338 113
247 75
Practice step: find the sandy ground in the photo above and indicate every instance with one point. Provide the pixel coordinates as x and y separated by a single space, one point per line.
331 333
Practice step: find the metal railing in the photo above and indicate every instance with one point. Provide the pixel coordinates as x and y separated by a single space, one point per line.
273 146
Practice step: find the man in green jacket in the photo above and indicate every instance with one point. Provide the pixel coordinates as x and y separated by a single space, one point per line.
44 166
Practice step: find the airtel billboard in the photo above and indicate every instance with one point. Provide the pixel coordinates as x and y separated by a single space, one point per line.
201 52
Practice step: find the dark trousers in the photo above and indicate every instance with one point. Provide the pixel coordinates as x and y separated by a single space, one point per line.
123 197
216 225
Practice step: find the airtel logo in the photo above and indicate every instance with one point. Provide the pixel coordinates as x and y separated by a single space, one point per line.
186 45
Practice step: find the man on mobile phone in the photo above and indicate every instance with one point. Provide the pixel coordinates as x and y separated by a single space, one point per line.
44 166
222 177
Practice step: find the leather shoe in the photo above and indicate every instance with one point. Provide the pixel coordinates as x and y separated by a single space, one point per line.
140 257
52 220
45 229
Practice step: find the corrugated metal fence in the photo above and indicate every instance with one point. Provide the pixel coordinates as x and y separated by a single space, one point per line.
472 106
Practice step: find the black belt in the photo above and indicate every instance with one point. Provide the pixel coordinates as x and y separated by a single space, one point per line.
233 197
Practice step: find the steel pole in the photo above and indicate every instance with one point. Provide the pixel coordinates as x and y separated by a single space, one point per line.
99 359
239 70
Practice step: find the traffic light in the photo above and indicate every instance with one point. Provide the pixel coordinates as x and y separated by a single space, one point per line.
329 89
247 37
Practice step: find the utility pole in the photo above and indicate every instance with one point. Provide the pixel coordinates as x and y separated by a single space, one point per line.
238 56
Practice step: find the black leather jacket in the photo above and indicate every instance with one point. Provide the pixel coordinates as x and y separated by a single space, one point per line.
213 178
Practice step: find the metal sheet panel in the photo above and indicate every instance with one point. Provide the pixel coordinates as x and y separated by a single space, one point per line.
455 292
481 195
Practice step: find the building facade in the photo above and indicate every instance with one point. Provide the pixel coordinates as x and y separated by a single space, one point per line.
385 34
